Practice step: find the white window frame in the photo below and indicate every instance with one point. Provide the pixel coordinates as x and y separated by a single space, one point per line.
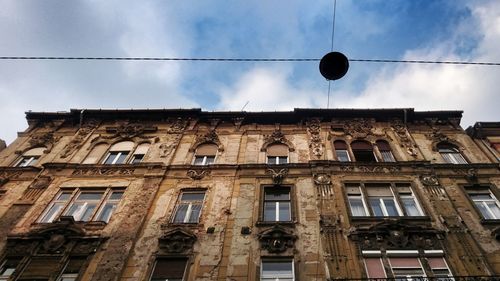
362 197
277 206
452 156
190 204
492 199
120 153
32 160
204 161
73 195
276 160
132 159
263 278
346 154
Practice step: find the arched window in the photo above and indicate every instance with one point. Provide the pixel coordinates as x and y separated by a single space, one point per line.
139 153
363 151
30 157
96 153
450 153
205 154
341 151
118 152
385 151
277 154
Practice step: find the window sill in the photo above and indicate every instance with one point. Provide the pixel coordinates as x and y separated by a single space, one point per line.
188 225
88 225
490 221
272 223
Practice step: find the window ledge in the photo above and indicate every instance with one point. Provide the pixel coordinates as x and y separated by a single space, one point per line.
189 225
378 219
272 223
90 225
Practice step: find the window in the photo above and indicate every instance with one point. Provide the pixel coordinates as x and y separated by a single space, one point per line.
8 268
277 204
169 269
72 268
30 157
118 152
382 200
95 155
83 205
450 154
385 151
40 268
407 268
139 153
205 154
363 151
485 202
277 154
277 270
341 151
189 207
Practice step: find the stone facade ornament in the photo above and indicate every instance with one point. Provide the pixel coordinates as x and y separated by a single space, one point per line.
372 169
167 147
128 131
321 179
209 137
315 144
276 137
437 136
395 234
100 171
237 121
429 180
276 239
177 241
278 176
404 138
471 175
47 140
79 138
358 128
177 125
198 174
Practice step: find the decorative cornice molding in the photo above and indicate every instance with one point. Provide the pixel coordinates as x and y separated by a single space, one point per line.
277 239
276 137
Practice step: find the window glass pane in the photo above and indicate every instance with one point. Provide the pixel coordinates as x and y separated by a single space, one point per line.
357 208
121 157
106 212
198 160
181 213
195 213
390 206
494 209
53 212
270 211
192 196
87 212
271 159
277 194
284 211
387 156
342 155
410 206
169 269
282 160
111 158
137 158
90 196
277 269
376 207
64 196
210 160
481 197
484 211
116 195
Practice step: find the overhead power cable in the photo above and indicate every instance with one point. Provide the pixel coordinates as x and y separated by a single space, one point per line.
243 60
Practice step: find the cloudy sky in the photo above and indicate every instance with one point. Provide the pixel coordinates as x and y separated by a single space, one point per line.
368 29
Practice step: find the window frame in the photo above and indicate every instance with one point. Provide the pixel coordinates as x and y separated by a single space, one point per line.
487 189
118 155
262 200
32 160
74 193
372 151
276 160
397 197
263 260
189 211
204 160
451 154
160 257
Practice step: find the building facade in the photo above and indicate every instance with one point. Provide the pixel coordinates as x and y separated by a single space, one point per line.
310 194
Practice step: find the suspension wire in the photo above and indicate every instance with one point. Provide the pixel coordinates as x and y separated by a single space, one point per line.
243 60
331 48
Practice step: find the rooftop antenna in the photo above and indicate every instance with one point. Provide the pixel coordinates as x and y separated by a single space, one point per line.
245 105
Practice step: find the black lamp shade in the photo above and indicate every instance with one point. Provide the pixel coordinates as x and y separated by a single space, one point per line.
333 65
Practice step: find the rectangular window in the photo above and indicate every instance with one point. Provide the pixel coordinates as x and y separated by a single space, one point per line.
136 158
189 207
277 204
486 202
116 157
387 156
276 160
72 268
169 269
405 268
8 268
382 200
26 161
277 270
83 205
439 268
39 268
204 160
343 155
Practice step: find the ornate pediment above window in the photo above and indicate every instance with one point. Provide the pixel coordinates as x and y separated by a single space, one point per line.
47 140
129 131
277 239
209 137
358 128
276 137
315 144
56 238
77 142
278 175
396 234
177 125
177 241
